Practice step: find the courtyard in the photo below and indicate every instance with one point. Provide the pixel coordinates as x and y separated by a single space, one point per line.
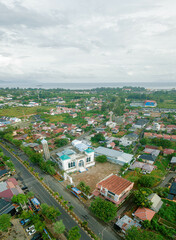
95 174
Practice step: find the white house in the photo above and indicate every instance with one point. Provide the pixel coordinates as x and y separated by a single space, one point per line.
156 126
111 124
124 141
70 161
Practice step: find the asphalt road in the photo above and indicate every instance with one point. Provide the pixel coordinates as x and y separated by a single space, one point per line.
42 194
83 213
167 179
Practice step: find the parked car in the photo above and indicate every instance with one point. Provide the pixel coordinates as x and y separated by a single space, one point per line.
32 231
24 221
30 228
36 236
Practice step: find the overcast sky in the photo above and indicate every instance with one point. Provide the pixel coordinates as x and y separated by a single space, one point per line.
88 40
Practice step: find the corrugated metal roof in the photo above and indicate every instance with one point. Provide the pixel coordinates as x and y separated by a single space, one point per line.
114 154
3 186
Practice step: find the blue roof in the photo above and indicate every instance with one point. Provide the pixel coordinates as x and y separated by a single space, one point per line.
64 157
89 150
76 190
35 201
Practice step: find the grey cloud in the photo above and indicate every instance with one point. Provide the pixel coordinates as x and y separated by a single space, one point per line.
23 16
88 40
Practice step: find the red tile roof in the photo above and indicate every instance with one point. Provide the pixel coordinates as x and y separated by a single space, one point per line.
13 180
115 184
151 147
144 213
168 151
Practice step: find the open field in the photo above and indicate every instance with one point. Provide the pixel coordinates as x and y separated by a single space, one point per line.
66 118
22 111
167 104
95 174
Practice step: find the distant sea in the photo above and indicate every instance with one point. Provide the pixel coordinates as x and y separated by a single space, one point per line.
89 85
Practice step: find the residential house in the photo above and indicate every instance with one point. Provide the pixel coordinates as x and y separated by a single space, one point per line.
142 214
117 157
111 145
145 167
173 160
156 126
6 207
172 192
168 151
128 139
154 152
141 123
9 188
156 202
126 223
113 188
148 158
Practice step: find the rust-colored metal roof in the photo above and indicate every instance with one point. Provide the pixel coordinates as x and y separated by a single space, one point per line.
115 184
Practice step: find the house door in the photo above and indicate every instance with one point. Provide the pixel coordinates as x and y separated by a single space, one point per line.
81 163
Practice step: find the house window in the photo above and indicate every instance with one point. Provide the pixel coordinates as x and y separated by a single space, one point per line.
110 195
71 164
88 159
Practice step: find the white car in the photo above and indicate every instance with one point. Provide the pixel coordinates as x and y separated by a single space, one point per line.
30 228
32 231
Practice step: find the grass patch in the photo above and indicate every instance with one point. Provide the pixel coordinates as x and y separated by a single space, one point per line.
66 118
168 211
21 111
132 176
167 223
167 104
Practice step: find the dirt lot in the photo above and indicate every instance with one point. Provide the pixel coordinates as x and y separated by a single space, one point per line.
16 232
95 174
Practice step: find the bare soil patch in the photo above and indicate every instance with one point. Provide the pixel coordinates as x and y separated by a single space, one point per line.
16 232
95 174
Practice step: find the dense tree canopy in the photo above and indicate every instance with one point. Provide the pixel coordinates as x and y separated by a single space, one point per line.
146 181
74 234
5 222
103 209
101 158
50 212
98 137
135 234
140 198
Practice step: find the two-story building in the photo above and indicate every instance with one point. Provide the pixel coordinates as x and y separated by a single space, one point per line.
71 161
113 188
